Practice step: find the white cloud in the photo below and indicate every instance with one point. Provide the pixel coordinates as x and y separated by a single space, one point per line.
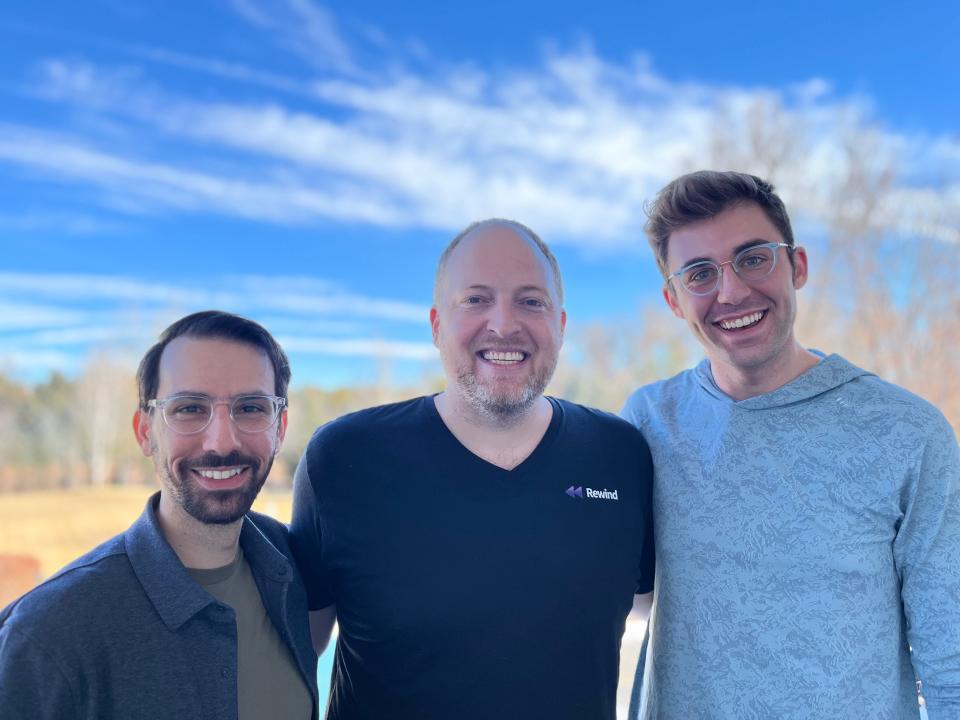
83 335
17 315
304 28
27 362
359 347
262 295
572 147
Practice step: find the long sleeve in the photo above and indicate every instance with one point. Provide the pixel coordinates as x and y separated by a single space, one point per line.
927 553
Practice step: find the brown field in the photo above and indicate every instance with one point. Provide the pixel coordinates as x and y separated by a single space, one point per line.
56 526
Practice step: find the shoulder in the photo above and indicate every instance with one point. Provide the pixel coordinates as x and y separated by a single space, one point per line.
373 422
654 398
591 421
73 598
890 405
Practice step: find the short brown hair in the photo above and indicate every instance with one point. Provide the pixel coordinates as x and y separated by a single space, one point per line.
213 324
519 228
705 194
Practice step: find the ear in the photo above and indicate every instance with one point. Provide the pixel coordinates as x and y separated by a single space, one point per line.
799 267
671 297
435 325
141 430
281 431
563 323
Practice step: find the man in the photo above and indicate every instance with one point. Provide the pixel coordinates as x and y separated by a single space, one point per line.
807 512
195 611
480 548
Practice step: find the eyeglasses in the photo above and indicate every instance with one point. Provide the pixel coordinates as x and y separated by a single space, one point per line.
191 414
750 264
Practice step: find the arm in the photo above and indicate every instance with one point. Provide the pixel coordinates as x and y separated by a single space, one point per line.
306 542
321 625
32 683
926 554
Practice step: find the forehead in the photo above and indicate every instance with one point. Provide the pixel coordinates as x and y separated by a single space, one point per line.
719 237
498 256
215 367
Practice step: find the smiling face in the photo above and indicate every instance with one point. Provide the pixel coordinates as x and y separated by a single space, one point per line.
497 322
214 475
745 328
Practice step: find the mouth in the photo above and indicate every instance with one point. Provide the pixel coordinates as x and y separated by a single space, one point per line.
221 478
741 322
503 357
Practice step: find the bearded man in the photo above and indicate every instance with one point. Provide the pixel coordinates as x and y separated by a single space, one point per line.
195 612
480 548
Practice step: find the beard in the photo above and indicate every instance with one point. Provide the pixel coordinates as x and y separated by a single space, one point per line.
213 507
503 405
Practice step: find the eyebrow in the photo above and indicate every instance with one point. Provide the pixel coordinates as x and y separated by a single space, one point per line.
522 289
197 393
736 251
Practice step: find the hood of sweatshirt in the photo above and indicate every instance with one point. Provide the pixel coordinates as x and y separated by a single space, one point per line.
832 371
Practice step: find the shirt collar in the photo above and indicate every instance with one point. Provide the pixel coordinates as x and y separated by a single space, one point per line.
173 593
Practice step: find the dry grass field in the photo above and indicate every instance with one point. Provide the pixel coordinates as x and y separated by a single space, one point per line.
57 526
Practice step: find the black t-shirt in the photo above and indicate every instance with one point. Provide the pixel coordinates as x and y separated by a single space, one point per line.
464 590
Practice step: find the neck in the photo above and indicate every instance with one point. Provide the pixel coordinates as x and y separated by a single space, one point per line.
505 443
199 545
741 383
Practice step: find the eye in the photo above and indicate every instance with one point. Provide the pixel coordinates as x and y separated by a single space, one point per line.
533 302
699 274
753 260
187 406
252 406
474 300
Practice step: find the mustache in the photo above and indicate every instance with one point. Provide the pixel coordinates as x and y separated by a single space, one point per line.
504 344
213 460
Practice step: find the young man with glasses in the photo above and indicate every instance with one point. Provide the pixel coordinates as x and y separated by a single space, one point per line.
195 611
807 513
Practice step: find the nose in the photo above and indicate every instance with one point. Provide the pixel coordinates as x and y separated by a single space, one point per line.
221 435
732 289
502 319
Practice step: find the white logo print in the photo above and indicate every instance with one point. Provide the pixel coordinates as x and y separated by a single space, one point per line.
578 491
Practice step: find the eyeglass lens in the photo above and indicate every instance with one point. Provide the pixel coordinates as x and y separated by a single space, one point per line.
753 263
250 413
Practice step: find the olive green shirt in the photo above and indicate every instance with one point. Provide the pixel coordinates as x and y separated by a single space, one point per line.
268 683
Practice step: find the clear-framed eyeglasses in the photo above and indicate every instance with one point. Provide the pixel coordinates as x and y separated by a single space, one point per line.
751 265
191 414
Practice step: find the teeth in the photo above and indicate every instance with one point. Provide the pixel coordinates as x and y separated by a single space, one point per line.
502 357
220 474
741 322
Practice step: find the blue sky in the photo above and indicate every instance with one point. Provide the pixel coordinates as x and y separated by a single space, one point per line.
304 163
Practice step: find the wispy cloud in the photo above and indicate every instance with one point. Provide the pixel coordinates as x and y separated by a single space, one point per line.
360 347
70 317
295 296
16 315
573 147
307 29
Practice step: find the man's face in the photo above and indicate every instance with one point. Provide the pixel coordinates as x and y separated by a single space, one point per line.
498 322
213 475
759 343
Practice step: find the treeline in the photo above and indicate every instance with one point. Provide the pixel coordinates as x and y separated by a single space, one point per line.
72 432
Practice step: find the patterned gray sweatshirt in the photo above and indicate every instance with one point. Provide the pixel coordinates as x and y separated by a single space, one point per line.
806 539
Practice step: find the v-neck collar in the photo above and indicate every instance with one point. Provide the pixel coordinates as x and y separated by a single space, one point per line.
556 419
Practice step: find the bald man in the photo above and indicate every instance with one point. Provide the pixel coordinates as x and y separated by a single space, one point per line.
480 548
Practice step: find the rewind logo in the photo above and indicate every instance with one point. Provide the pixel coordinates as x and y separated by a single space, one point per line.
578 491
